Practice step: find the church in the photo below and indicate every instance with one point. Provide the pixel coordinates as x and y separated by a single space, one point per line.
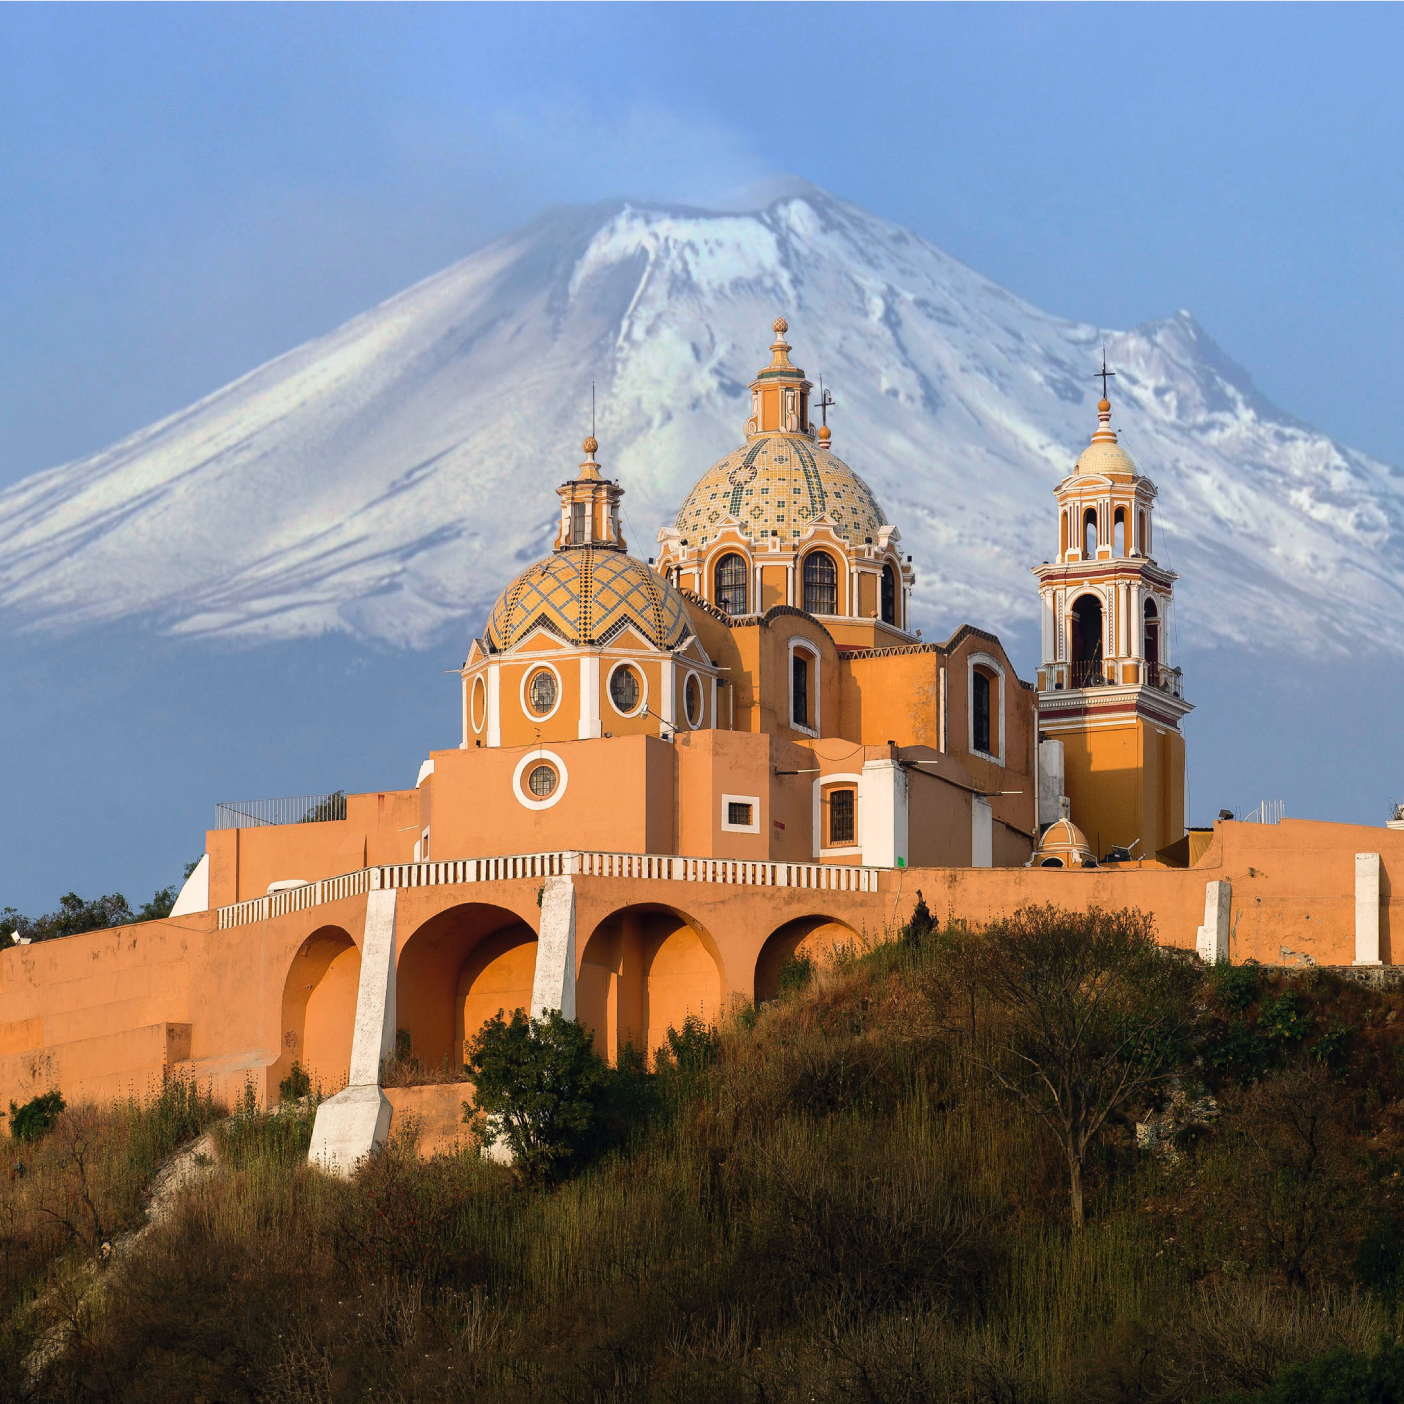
676 773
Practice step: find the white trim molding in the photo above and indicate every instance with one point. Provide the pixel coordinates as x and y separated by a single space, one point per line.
816 658
531 670
701 700
728 827
535 757
847 777
640 674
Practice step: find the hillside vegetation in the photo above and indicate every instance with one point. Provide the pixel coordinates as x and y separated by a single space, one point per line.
1042 1162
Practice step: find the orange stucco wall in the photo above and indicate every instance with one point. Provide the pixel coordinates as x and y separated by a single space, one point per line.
103 1014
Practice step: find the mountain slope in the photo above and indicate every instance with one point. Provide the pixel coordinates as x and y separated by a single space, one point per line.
387 479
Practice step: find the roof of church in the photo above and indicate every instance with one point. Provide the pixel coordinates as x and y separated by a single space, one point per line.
779 483
586 595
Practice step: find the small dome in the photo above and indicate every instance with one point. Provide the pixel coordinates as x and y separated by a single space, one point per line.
778 483
585 596
1104 457
1063 845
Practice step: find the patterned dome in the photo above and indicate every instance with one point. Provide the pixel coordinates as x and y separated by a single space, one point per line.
585 596
780 483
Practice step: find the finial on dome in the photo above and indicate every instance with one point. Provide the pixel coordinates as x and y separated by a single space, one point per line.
780 348
590 469
825 434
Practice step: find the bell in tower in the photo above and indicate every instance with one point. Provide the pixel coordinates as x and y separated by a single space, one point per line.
1110 695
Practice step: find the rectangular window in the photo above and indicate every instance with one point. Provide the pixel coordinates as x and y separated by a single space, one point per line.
800 687
841 810
577 522
981 704
738 814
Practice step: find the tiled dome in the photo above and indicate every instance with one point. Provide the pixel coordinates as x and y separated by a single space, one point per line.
585 595
780 483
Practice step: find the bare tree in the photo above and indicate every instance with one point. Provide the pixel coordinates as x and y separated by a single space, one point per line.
1079 1015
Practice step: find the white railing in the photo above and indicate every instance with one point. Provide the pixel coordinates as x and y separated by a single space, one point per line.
1268 812
827 877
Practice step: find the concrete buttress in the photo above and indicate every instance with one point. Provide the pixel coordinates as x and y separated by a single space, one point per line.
352 1124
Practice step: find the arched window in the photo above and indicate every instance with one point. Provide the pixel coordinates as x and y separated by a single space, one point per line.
820 583
980 703
1087 641
1152 644
1089 533
1140 533
889 595
1119 533
731 583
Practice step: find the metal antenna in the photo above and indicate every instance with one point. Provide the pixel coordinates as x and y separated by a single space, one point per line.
1104 374
592 409
825 400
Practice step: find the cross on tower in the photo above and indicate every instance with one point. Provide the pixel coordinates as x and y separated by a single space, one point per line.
825 400
1104 374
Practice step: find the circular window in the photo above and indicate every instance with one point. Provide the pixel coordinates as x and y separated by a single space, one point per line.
542 781
541 692
478 703
692 699
624 689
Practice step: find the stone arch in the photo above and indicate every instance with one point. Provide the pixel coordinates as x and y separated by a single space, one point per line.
643 969
319 1010
817 937
455 972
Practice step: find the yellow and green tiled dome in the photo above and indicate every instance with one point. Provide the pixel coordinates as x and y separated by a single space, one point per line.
780 483
585 596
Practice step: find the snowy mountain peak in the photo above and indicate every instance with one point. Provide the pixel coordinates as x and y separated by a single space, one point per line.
387 479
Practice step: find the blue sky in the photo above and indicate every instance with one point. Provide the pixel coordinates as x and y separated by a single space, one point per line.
190 190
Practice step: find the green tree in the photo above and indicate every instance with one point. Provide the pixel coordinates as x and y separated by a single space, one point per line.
540 1087
1080 1015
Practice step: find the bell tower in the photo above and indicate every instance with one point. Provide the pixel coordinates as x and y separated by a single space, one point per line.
1108 687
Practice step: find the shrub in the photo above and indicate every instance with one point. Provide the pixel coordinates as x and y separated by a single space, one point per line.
296 1085
794 975
1343 1377
37 1116
540 1087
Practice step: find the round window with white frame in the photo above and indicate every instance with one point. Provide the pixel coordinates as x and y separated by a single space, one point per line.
626 689
477 704
540 779
542 692
692 700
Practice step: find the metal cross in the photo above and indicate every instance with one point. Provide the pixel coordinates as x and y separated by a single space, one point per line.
825 400
1104 373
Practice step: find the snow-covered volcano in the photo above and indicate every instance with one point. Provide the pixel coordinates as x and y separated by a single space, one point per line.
387 479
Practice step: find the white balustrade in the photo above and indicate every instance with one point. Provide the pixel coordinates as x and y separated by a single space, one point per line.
826 877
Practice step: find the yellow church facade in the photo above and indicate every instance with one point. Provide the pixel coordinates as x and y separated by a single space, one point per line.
674 774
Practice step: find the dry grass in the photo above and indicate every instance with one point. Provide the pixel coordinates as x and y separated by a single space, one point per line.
841 1209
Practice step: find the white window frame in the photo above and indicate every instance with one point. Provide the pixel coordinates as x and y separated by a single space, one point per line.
530 761
643 687
847 777
701 701
728 827
530 672
477 717
710 564
813 651
997 668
